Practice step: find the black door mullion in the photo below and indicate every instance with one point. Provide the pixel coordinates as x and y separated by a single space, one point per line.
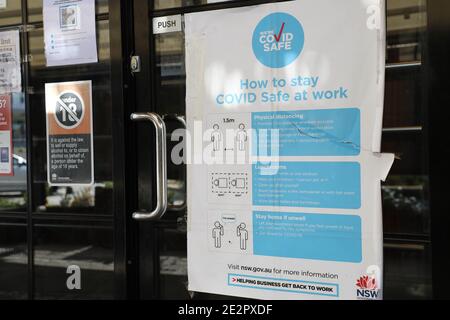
29 143
147 240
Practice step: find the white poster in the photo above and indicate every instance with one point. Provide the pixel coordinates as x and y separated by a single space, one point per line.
284 112
69 32
10 71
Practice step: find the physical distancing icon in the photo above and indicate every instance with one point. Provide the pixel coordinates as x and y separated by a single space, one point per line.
241 137
242 233
216 137
217 234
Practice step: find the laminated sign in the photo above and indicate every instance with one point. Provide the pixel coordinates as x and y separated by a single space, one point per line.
284 112
6 147
10 71
70 151
69 32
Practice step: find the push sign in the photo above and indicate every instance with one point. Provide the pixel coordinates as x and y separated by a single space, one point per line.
167 24
70 152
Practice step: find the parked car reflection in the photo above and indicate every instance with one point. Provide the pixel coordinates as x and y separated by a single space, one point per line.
16 183
13 188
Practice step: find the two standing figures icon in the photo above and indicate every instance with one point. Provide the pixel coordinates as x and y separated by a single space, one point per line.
241 232
241 137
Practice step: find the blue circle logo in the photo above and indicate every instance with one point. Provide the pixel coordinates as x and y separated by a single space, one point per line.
278 40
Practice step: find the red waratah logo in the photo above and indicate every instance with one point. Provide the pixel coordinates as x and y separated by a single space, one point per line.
367 283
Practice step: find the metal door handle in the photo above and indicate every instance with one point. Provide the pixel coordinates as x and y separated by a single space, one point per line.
161 166
182 121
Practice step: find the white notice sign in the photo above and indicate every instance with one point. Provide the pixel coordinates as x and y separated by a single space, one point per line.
69 32
10 74
284 197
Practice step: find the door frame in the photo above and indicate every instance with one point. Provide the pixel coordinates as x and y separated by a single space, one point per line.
121 42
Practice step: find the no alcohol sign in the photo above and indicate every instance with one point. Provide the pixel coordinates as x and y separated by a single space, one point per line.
70 154
69 110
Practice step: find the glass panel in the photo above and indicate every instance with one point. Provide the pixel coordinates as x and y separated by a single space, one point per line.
406 209
406 193
407 271
406 205
403 98
11 14
13 259
60 244
170 99
173 263
13 189
406 24
35 9
170 72
92 199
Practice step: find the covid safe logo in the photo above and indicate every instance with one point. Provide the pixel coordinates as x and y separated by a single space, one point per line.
278 40
69 110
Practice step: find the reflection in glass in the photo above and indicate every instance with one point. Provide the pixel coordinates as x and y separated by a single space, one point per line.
13 189
407 271
173 264
165 4
61 244
13 259
404 91
406 205
170 93
406 209
406 24
11 13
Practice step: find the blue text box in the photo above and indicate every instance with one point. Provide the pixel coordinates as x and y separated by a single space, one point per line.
326 237
334 132
308 184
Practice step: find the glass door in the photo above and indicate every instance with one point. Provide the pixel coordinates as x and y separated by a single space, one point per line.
161 89
47 231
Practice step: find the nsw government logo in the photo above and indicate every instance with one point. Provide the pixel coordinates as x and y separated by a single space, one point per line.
278 40
367 288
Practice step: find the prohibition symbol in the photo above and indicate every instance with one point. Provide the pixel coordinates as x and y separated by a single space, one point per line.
69 110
